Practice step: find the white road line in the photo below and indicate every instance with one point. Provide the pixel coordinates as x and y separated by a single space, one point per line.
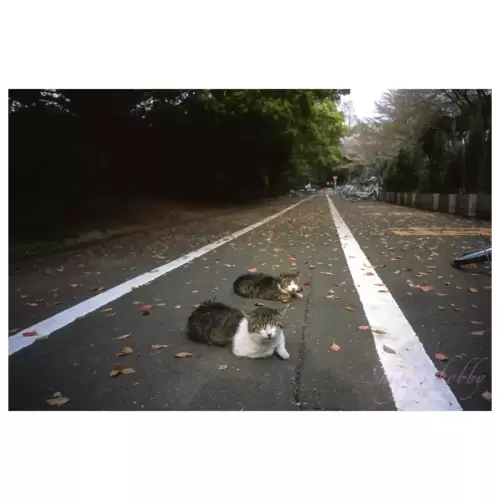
50 325
410 372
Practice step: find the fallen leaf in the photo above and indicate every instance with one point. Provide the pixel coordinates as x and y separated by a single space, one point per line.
109 309
476 322
177 307
457 309
14 330
122 337
472 289
486 395
188 282
363 327
97 288
119 370
30 334
388 349
183 355
369 274
145 309
252 270
228 265
479 332
441 374
57 400
349 308
426 288
158 346
473 306
335 348
307 283
125 351
195 306
442 308
31 304
259 304
440 356
222 367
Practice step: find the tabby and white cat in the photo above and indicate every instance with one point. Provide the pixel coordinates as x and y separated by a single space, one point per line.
267 287
257 334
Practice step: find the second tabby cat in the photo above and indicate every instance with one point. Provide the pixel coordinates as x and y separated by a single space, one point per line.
267 287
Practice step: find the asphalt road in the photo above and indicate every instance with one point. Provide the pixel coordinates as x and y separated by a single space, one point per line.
448 310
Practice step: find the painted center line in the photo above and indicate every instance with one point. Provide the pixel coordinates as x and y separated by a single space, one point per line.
409 370
58 321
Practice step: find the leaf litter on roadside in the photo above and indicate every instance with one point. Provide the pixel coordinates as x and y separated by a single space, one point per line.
183 355
158 346
122 337
440 356
335 347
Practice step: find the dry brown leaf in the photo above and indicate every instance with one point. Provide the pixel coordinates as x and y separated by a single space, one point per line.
426 288
57 400
115 371
14 330
349 308
158 346
440 356
252 270
184 355
122 337
30 334
127 371
479 332
442 308
145 309
188 282
473 306
476 322
335 348
125 351
486 395
222 367
363 327
109 309
472 289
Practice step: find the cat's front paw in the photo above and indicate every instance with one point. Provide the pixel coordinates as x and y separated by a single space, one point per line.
299 295
283 354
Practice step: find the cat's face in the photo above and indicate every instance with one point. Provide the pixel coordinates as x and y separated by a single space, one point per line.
265 322
290 282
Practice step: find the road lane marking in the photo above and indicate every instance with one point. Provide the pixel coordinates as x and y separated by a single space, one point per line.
410 372
58 321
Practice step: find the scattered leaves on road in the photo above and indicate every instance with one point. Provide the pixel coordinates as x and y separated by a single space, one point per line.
349 308
335 347
178 306
363 327
122 337
426 288
158 346
441 356
146 309
109 309
57 400
30 334
479 332
252 270
14 330
125 351
486 395
474 290
184 355
222 367
119 370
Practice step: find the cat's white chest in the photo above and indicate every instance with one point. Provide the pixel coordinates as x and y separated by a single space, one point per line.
246 347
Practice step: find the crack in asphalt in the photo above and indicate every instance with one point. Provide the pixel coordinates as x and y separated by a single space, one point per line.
298 370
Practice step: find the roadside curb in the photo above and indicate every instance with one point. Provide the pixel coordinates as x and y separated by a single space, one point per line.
467 205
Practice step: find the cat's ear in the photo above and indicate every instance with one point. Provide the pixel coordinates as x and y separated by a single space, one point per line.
297 272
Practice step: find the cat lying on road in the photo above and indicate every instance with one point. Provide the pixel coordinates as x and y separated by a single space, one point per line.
267 287
257 334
